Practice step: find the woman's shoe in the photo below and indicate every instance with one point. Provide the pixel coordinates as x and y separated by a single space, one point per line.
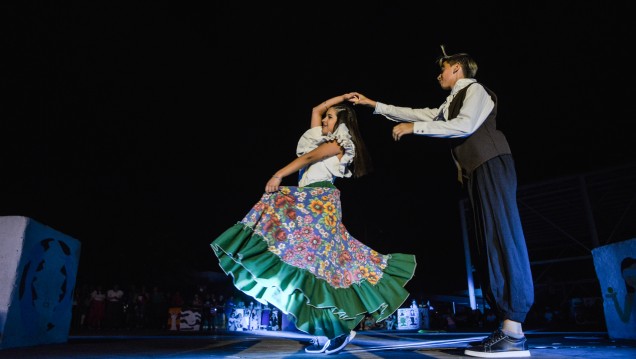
315 347
338 343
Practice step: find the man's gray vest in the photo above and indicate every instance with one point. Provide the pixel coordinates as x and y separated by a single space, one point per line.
485 143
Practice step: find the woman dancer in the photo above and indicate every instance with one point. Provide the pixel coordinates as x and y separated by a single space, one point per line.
293 251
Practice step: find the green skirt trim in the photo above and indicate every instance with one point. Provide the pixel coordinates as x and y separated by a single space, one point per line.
317 307
322 184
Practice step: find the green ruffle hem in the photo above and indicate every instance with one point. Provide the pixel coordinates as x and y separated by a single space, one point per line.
317 308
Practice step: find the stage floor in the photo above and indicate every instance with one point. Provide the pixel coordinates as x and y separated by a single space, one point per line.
281 344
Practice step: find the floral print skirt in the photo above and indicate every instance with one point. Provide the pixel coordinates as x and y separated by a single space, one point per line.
293 251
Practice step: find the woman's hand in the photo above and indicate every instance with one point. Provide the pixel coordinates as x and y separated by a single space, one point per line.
359 99
351 97
273 184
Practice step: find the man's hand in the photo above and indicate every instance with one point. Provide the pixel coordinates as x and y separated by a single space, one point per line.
401 130
357 98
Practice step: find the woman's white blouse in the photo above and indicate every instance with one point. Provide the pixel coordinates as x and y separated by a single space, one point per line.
329 168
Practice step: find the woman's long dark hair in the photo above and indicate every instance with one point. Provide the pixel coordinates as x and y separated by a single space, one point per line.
361 161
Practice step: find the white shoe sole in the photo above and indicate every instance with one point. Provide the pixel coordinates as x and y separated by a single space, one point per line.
508 354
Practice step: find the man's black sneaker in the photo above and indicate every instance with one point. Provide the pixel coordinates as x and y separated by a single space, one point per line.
499 345
338 343
315 347
477 342
481 342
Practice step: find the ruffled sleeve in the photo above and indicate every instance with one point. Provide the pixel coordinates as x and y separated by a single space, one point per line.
343 137
327 169
309 140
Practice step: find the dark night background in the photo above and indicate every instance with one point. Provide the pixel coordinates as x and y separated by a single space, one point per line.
144 129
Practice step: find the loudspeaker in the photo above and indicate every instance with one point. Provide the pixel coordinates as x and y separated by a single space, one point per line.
37 279
615 266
